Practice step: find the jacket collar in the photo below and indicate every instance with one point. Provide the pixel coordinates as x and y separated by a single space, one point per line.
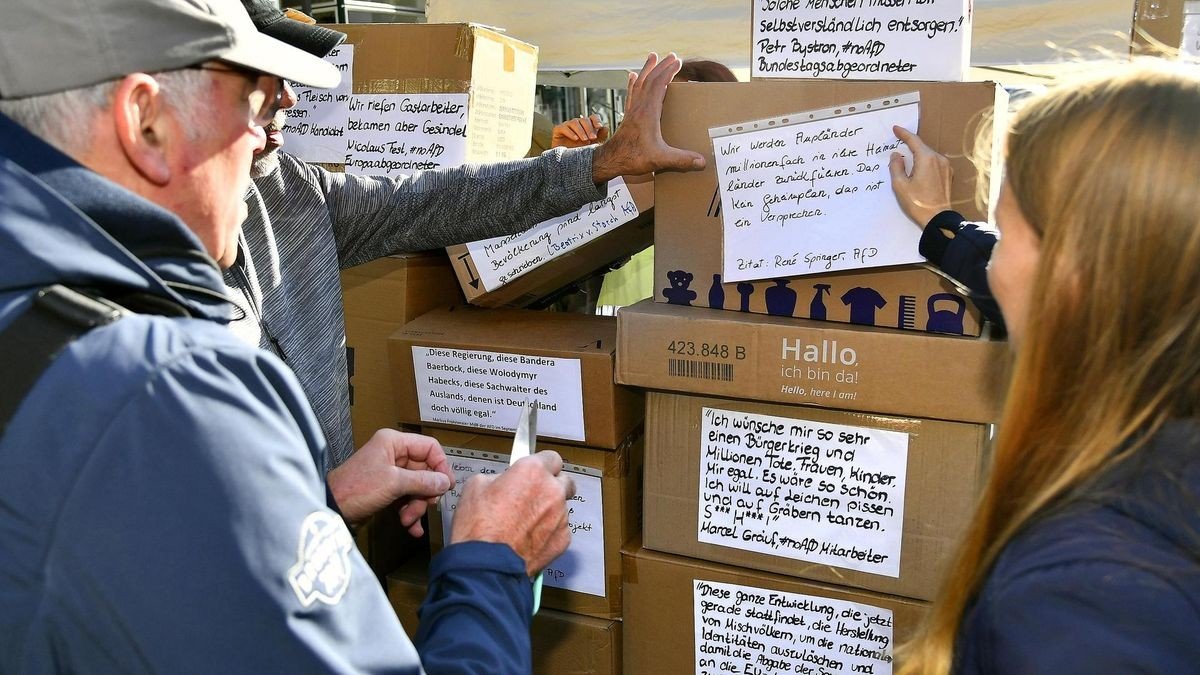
152 249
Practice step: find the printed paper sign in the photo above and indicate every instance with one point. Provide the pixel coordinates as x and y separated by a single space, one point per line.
316 126
399 134
811 192
743 629
861 39
581 568
823 493
1189 46
502 259
488 390
501 130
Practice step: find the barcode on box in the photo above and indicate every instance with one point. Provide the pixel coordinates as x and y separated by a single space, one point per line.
704 370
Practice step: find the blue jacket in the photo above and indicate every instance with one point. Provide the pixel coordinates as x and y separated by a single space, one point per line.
1108 582
162 501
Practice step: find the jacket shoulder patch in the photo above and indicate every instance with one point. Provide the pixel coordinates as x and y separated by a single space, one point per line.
322 569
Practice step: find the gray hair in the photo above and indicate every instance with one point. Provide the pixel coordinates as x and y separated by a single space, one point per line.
64 119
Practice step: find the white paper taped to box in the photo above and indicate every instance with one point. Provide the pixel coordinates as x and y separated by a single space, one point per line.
811 192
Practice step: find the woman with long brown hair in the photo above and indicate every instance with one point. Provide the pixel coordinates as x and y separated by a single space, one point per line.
1084 554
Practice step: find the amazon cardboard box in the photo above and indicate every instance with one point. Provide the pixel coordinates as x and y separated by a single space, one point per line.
604 513
689 227
863 500
797 361
475 369
518 270
563 643
691 616
379 297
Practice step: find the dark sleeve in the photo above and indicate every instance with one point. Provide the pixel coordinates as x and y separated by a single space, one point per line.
1090 617
376 216
477 615
962 250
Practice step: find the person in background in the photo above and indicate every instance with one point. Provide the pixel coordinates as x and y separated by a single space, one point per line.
1084 553
306 223
163 495
954 245
634 280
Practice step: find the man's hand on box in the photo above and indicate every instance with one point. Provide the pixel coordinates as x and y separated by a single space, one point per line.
579 132
524 507
638 147
393 467
925 192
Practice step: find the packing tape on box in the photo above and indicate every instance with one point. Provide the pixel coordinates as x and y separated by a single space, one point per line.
629 572
412 85
464 44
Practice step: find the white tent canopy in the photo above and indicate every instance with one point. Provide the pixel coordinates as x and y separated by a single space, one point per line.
616 34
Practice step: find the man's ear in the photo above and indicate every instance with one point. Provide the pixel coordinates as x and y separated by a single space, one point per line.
141 122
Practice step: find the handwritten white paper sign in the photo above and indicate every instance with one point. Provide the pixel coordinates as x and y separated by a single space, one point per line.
581 567
502 259
810 192
861 39
488 390
824 493
316 126
1189 46
744 629
399 134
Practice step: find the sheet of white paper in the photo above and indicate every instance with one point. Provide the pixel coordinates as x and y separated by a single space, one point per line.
487 390
316 126
823 493
861 39
744 629
501 259
399 134
500 130
1190 44
581 568
810 192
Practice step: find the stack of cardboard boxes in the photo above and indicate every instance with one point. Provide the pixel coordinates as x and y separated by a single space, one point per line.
418 97
814 444
810 447
464 375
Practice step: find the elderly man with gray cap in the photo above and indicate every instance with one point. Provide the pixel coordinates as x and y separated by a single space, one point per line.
306 223
163 504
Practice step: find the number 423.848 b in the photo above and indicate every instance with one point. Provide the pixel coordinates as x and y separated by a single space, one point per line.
715 350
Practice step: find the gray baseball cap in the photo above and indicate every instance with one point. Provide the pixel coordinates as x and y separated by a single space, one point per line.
48 46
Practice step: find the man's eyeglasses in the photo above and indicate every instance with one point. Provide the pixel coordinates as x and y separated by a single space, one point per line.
267 97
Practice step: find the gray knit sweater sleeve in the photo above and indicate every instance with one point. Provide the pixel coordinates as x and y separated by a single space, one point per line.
375 216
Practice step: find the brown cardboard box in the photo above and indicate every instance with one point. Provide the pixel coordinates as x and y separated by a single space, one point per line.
797 361
484 364
611 478
379 298
688 226
497 71
1156 24
563 643
662 606
554 273
855 499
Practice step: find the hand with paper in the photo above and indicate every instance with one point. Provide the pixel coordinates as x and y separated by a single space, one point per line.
578 132
524 507
925 192
638 147
393 467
